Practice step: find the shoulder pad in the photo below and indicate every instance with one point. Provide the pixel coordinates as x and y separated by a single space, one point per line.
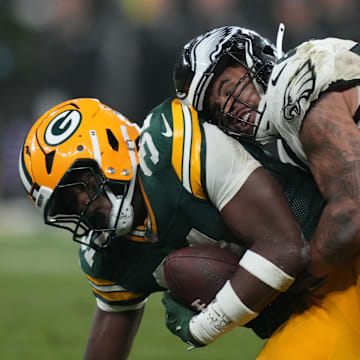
172 136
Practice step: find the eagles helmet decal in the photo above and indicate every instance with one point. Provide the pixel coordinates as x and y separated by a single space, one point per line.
78 137
300 87
202 55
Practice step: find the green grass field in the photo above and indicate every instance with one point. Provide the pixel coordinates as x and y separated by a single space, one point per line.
47 307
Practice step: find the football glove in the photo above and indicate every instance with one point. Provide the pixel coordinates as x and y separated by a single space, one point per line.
178 319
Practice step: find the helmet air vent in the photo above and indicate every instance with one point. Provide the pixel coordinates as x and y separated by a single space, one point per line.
49 160
112 140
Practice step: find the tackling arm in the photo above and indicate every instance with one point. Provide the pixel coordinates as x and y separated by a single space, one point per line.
270 230
258 215
112 334
331 141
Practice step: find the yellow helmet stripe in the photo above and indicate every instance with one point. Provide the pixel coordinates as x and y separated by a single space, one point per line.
96 146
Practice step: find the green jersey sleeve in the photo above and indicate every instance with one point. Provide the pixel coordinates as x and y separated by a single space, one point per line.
121 275
172 139
172 155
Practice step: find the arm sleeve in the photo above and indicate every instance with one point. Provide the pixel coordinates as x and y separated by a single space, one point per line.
228 166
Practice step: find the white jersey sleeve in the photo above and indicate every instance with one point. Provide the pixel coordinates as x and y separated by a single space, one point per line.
299 79
228 166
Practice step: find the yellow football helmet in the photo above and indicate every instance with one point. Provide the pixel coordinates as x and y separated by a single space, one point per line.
71 143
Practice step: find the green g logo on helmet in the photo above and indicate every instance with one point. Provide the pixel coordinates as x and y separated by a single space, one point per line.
62 127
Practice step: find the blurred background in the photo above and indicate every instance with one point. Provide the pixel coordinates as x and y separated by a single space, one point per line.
122 52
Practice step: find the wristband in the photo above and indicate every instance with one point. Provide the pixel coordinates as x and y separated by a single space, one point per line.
233 307
266 271
220 316
209 324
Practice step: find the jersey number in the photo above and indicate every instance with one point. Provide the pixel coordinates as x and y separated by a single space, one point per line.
147 140
88 251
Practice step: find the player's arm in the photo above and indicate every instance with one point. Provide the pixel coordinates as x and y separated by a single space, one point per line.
331 141
112 334
118 312
260 218
253 206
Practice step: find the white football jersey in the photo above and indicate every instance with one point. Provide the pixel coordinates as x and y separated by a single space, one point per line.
298 80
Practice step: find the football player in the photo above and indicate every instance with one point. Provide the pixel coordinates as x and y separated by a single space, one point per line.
194 184
309 98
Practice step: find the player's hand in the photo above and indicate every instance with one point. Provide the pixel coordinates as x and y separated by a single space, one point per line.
178 319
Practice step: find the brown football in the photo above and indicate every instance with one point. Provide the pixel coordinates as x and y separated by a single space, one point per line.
195 274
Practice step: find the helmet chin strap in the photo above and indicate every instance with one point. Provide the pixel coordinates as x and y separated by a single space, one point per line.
123 221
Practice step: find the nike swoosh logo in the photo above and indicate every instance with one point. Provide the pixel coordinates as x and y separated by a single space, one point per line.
168 132
275 80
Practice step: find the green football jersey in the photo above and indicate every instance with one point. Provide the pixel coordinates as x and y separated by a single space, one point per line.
172 178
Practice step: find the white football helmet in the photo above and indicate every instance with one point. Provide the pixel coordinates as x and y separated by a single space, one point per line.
206 56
